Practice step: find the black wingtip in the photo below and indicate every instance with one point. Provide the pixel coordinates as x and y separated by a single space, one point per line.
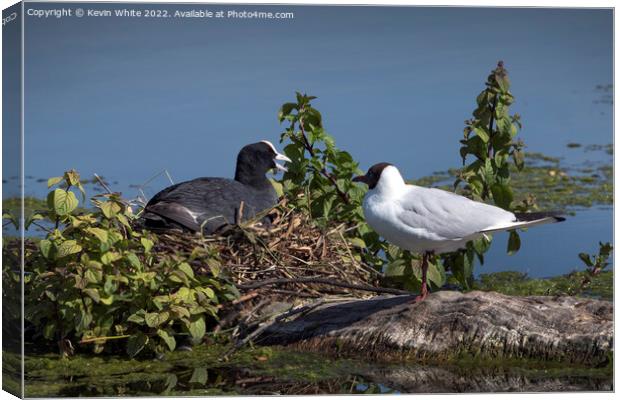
533 216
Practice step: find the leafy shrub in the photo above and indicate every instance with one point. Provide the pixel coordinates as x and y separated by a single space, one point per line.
95 279
490 138
595 264
319 181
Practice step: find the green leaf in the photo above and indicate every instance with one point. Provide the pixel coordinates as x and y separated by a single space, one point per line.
50 330
109 286
181 311
436 274
85 320
279 188
47 248
53 181
187 270
152 320
93 275
171 382
61 202
462 269
505 127
481 245
476 184
357 242
178 277
67 248
488 171
101 234
136 343
482 134
209 292
168 339
513 130
81 188
133 260
395 268
93 294
482 98
31 218
586 259
197 328
503 82
502 195
109 257
286 110
109 209
514 242
137 317
517 156
147 244
72 177
199 375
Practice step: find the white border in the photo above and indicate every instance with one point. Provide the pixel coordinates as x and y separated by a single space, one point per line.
441 3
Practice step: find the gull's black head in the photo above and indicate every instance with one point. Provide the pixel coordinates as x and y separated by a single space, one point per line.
254 160
372 176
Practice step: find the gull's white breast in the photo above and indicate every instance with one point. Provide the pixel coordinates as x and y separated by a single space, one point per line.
384 216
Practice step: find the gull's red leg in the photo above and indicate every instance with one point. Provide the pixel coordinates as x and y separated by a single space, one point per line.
424 290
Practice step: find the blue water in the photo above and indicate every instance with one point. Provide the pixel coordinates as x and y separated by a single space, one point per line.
553 249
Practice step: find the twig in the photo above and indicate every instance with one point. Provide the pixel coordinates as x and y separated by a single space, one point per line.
273 320
324 281
239 213
95 339
102 183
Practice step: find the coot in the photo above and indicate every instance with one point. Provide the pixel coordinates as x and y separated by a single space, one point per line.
210 203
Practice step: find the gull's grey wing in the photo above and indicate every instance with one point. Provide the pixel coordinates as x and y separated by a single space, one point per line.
446 215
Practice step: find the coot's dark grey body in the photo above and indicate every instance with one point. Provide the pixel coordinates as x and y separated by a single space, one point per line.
211 203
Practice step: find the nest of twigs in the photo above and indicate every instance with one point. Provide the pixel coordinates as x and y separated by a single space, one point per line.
291 257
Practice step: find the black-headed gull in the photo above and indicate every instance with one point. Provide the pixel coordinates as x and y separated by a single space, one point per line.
427 220
209 203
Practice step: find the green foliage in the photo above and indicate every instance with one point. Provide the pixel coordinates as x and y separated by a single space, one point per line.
319 181
490 139
519 284
319 178
96 280
593 282
595 264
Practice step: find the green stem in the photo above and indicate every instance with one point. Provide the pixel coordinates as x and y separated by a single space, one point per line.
490 151
323 170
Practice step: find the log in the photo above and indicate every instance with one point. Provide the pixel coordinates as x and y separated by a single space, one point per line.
449 325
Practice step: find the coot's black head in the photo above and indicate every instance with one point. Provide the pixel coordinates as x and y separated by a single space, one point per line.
254 160
372 176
